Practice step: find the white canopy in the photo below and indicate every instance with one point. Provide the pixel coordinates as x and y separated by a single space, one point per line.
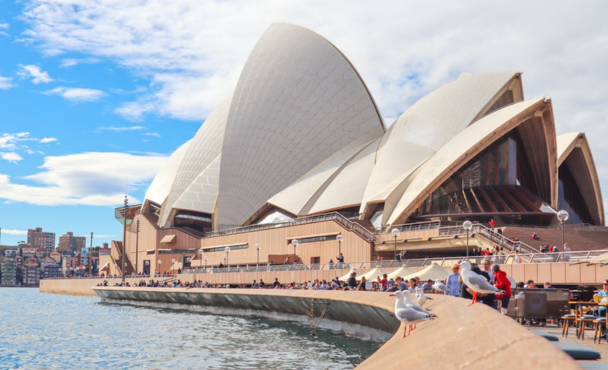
373 274
433 272
345 277
106 266
401 271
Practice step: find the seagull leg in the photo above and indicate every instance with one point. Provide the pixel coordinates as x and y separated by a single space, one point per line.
404 331
414 325
474 298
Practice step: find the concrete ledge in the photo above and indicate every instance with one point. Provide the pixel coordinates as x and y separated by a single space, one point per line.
462 337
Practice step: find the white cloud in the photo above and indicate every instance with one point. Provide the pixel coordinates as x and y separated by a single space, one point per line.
121 129
402 50
70 62
5 83
11 157
155 134
4 26
99 179
14 232
45 140
104 236
77 94
38 76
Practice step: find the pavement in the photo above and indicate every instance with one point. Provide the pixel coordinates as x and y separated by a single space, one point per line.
601 347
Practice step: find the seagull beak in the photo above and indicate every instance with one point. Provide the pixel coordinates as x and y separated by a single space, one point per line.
391 295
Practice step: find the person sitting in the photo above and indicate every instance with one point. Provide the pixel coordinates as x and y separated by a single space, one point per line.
428 285
352 281
534 236
362 285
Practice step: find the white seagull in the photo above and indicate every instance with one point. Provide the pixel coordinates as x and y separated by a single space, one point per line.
407 298
406 314
439 286
420 297
477 283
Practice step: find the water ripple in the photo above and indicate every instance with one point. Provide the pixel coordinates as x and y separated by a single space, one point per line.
47 331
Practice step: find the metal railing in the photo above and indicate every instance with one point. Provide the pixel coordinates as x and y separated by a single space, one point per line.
333 216
414 226
512 258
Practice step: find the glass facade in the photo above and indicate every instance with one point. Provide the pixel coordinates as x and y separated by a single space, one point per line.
570 197
200 222
497 180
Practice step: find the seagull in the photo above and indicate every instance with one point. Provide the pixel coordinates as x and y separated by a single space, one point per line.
410 303
439 286
420 297
406 314
477 283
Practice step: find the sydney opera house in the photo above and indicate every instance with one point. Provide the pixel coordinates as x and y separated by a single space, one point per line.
300 151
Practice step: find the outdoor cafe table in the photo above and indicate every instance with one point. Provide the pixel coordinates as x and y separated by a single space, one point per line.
578 308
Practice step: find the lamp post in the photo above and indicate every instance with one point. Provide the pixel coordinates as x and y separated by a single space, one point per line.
124 237
227 249
562 216
339 238
91 256
467 225
136 243
160 262
200 261
115 268
173 264
295 243
395 233
205 258
225 262
257 248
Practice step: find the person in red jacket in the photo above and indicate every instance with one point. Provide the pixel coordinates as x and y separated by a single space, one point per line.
502 283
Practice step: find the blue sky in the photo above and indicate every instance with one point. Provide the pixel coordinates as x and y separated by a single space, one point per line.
94 95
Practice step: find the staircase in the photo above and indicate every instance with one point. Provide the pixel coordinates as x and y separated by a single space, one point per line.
578 239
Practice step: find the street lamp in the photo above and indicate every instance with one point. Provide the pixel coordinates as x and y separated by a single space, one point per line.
205 262
200 261
124 236
173 261
257 248
226 262
115 268
467 225
160 262
339 238
136 243
227 249
562 216
395 233
295 243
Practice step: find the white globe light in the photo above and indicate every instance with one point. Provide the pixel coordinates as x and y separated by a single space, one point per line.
395 232
227 249
339 238
467 225
160 262
295 242
562 215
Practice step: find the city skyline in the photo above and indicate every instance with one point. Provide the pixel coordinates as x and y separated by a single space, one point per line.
91 116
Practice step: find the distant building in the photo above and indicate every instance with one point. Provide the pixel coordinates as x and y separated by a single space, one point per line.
56 256
11 252
9 276
36 238
106 246
18 261
46 262
52 270
31 276
28 252
105 251
70 242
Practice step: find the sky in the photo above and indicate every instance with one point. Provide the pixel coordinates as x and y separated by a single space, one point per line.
95 95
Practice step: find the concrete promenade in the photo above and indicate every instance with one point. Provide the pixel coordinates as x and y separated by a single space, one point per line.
462 337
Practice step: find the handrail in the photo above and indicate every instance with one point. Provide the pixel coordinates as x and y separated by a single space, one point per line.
512 258
332 216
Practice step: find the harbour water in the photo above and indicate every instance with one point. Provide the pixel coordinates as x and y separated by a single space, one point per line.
48 331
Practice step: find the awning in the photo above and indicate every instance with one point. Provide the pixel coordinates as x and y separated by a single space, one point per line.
176 266
401 271
433 272
372 275
106 266
168 239
345 277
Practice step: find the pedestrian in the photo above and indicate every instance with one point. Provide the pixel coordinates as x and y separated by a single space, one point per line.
492 224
